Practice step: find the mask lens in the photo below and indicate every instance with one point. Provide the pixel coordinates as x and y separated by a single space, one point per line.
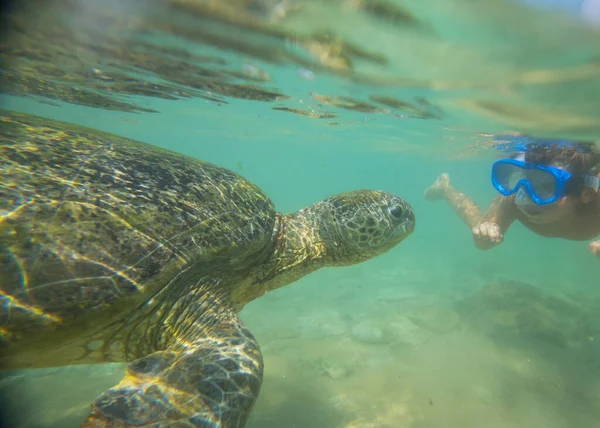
543 183
508 175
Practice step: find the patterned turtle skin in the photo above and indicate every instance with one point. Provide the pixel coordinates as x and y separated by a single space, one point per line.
116 250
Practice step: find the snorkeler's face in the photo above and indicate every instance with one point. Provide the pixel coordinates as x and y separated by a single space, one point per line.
549 213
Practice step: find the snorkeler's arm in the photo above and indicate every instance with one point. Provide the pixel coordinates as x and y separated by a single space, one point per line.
494 223
502 212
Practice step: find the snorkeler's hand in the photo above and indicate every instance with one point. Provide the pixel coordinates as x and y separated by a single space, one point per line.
595 248
487 235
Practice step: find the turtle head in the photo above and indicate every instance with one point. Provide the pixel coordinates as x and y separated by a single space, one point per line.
342 230
357 226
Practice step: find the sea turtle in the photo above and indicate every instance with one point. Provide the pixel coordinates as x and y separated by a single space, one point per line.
116 250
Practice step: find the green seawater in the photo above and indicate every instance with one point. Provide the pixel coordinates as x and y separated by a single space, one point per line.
434 333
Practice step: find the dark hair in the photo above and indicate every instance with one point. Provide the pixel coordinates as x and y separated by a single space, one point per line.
579 158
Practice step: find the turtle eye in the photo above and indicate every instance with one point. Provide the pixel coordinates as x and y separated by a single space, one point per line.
396 211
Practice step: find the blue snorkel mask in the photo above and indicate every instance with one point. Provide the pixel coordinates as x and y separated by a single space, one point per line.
540 184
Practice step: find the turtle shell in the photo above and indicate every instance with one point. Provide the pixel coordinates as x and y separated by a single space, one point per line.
92 225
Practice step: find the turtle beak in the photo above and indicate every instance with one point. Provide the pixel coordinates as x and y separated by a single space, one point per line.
409 224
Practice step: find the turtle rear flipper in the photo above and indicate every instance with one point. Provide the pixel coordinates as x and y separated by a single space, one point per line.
210 382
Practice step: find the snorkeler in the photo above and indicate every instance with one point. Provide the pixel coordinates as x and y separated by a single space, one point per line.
551 187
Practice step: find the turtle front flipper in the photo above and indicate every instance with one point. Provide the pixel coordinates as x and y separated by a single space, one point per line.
210 382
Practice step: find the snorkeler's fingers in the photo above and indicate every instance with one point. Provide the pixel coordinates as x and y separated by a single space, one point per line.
487 232
595 248
478 233
487 235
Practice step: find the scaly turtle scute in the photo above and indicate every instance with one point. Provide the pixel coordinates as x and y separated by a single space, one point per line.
115 250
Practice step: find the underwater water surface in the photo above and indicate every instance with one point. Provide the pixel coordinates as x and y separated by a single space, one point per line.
307 99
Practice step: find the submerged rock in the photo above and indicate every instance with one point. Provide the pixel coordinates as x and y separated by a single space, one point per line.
370 332
435 317
407 333
334 370
519 314
321 323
